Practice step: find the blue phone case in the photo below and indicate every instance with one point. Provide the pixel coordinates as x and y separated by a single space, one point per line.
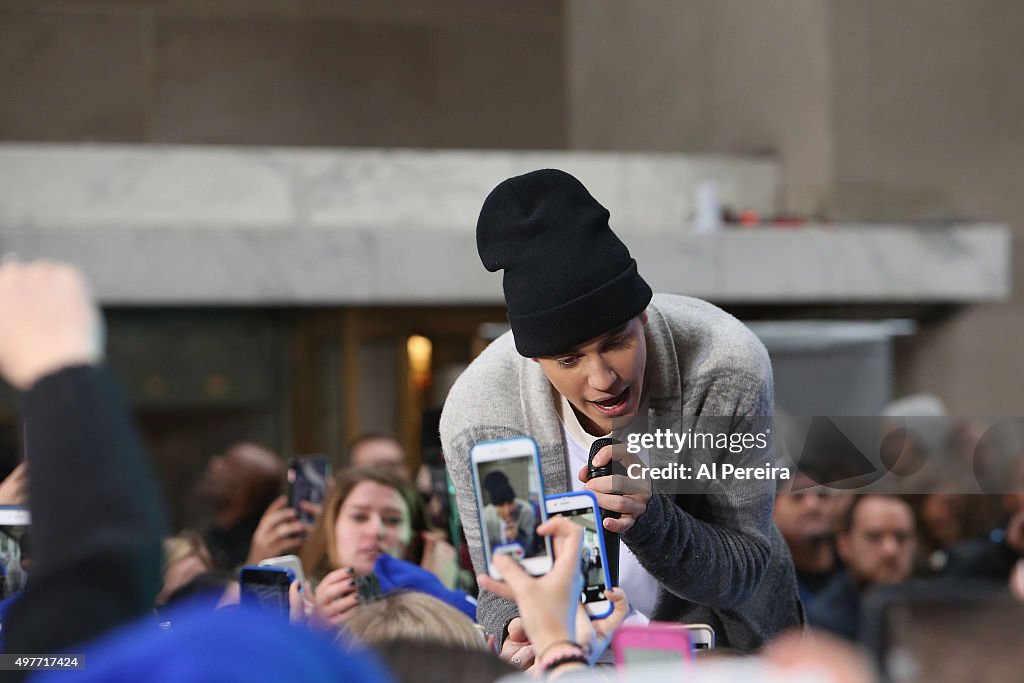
476 493
600 540
252 598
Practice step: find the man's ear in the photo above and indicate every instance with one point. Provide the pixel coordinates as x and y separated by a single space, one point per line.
643 318
535 359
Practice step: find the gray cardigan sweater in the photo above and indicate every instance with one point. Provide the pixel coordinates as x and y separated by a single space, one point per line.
716 554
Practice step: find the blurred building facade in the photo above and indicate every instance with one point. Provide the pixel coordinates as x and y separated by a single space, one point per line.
873 111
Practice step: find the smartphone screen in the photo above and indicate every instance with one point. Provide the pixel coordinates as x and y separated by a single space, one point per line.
266 588
510 498
581 508
307 480
15 550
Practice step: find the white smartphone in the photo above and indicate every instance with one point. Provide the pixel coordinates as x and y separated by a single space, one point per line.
291 562
702 636
510 503
581 508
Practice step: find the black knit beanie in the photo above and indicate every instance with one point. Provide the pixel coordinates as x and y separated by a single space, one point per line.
568 278
499 488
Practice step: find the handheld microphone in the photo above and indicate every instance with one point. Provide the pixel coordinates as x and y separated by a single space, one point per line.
611 539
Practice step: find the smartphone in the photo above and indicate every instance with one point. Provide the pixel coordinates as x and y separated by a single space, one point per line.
581 508
367 588
15 550
650 644
266 588
290 562
702 636
307 480
510 503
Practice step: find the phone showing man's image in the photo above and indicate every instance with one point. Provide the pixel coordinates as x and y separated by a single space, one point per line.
307 480
510 503
266 588
581 508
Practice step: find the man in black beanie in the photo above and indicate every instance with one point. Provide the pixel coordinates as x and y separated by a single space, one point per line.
593 353
508 519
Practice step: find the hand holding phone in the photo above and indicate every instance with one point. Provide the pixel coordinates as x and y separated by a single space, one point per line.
279 532
547 604
337 596
580 507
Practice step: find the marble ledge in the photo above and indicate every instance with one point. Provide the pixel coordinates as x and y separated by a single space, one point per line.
814 265
94 187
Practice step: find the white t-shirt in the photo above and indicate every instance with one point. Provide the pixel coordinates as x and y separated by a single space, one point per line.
640 587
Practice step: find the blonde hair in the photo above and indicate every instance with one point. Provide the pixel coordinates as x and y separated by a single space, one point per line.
408 615
186 544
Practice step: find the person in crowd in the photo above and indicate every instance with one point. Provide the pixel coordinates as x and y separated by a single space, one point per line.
96 509
994 555
941 516
14 487
98 519
507 518
591 353
806 522
364 530
376 448
185 558
415 661
877 545
239 485
411 615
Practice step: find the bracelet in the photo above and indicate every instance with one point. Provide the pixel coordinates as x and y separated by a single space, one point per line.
573 655
567 658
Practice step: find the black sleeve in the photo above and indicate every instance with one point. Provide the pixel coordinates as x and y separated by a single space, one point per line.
97 515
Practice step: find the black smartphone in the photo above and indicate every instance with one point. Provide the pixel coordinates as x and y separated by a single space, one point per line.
307 480
367 587
611 539
266 588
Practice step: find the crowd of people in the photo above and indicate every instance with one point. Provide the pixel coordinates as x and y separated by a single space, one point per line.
602 356
846 544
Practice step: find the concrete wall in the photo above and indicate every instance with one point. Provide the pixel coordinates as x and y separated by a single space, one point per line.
723 76
928 99
454 73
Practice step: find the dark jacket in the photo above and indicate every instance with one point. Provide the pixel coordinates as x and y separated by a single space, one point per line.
97 516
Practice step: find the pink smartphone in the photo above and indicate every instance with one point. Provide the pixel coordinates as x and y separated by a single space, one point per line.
654 643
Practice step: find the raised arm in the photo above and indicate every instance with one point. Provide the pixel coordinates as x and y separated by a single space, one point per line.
97 514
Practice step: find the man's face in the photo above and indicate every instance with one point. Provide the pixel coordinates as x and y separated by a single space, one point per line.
603 377
505 510
879 547
381 452
803 517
